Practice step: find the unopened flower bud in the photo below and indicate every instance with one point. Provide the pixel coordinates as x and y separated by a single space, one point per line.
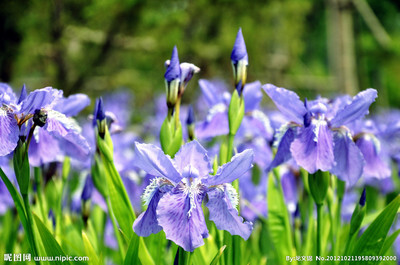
240 61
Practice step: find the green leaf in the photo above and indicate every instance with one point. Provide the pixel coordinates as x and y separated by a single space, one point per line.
50 244
278 219
373 239
16 198
93 259
389 242
132 253
218 256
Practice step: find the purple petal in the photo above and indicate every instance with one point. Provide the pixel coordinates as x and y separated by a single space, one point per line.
252 95
152 159
39 98
225 216
147 224
289 188
287 102
7 95
72 105
44 148
212 91
313 149
9 132
173 70
357 109
187 72
195 155
182 219
216 124
232 170
374 166
349 159
284 142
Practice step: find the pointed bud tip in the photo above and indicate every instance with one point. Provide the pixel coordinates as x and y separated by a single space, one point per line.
173 69
23 94
99 113
87 189
239 51
190 118
363 198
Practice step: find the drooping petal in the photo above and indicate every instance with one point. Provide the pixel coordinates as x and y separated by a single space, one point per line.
313 149
287 102
72 105
283 141
349 159
252 95
374 166
39 98
225 216
152 159
180 214
147 224
9 132
357 109
44 148
195 155
232 170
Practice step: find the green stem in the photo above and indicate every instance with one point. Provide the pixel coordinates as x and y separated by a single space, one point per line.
38 177
319 230
116 231
231 137
30 225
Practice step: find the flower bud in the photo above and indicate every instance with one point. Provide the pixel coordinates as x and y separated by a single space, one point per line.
358 214
172 78
190 124
87 189
318 185
99 119
240 61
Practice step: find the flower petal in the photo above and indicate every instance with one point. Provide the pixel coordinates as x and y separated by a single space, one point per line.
9 132
39 99
195 155
313 149
357 109
287 102
283 143
225 216
44 148
72 105
374 166
252 95
216 124
182 220
349 159
232 170
152 159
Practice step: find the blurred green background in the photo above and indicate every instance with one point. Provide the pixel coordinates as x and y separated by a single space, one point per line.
97 46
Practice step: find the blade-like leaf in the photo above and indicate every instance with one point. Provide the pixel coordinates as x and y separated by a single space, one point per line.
372 240
389 242
132 253
218 255
93 259
50 244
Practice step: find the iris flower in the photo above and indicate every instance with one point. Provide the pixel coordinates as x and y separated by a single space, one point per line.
174 197
317 137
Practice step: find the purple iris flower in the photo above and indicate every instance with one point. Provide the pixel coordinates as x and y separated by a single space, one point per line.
316 137
57 134
174 197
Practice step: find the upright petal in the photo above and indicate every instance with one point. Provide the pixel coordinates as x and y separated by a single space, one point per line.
374 166
195 155
349 159
212 91
225 216
357 109
72 105
7 95
232 170
9 132
39 98
152 159
180 214
287 102
313 149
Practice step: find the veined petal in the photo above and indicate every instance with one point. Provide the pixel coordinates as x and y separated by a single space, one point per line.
195 155
224 215
44 148
211 91
180 214
284 138
216 124
39 98
152 159
252 95
147 224
313 149
357 109
287 102
232 170
60 124
374 166
349 159
7 95
9 132
72 105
